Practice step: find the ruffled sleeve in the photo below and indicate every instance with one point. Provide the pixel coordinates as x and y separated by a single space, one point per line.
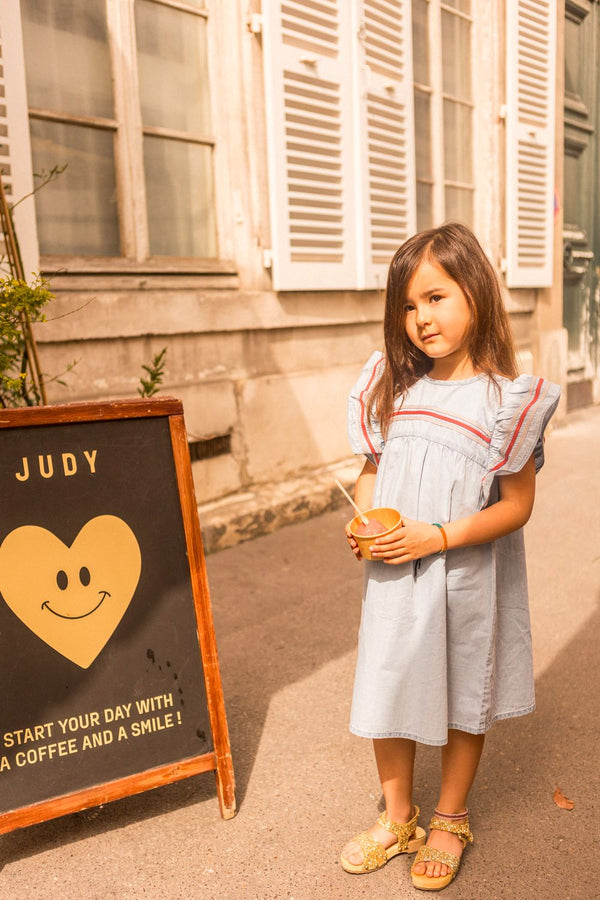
365 437
528 404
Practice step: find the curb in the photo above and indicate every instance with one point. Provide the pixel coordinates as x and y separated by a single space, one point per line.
243 517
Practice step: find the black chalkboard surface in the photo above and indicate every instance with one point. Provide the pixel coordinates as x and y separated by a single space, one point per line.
108 665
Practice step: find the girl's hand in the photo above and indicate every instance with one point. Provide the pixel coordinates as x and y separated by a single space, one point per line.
413 540
352 543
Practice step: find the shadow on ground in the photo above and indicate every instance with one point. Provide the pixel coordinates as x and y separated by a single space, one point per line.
283 607
286 605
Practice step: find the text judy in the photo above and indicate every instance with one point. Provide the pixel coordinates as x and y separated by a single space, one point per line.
66 464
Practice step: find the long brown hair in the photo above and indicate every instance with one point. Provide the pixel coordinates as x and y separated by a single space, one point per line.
455 249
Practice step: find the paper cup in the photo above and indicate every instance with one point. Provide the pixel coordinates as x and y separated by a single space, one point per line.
389 517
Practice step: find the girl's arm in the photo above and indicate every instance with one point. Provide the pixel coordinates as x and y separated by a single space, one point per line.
417 539
365 485
363 497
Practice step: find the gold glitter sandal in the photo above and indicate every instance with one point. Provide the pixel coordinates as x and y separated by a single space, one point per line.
375 855
430 854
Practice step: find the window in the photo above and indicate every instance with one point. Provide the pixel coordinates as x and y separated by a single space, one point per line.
443 110
339 118
139 176
530 104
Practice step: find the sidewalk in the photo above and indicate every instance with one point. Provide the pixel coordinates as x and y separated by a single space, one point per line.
286 613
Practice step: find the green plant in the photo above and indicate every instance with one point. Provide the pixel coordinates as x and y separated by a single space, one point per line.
150 385
21 305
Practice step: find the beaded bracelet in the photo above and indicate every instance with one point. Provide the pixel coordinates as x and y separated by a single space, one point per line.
444 537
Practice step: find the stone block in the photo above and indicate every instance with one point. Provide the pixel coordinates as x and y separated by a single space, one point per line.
214 478
552 354
91 309
194 358
244 516
293 350
551 362
292 424
209 408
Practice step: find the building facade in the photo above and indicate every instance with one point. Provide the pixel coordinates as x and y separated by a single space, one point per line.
230 178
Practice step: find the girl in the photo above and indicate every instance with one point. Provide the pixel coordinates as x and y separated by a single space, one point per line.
453 439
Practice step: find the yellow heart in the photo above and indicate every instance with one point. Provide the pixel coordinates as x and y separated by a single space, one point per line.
73 597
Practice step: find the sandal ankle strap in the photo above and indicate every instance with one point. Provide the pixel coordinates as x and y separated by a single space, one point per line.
459 828
452 816
402 830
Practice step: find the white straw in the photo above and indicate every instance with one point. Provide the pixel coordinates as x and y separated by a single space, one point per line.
363 518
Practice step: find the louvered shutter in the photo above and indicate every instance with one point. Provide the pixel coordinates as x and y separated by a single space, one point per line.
310 143
531 63
15 149
387 134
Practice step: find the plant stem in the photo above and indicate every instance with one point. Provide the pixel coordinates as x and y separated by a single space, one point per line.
15 262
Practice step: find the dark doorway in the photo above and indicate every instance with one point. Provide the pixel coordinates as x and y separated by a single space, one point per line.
581 237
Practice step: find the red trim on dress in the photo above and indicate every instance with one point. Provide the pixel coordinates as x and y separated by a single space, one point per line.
519 425
434 415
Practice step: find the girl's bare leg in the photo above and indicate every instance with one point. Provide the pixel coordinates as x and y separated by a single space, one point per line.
460 758
395 759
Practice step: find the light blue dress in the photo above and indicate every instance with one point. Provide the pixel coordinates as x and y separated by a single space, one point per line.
446 643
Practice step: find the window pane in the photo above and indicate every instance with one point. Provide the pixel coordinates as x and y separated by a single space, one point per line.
66 56
456 56
77 213
180 199
420 9
424 206
459 205
422 135
173 70
458 156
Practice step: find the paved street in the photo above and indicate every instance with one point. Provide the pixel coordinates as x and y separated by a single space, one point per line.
286 612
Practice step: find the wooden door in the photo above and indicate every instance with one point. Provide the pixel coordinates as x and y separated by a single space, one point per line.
581 236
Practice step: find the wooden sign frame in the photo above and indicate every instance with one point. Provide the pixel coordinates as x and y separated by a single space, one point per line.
219 758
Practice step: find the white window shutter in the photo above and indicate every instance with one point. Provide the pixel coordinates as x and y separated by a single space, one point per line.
388 216
15 158
307 57
531 66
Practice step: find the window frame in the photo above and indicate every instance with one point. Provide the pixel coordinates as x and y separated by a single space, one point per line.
438 183
370 138
128 133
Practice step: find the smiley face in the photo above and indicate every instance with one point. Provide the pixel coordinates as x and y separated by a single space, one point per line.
85 579
73 597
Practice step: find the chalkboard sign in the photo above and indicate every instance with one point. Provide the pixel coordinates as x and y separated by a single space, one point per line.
108 662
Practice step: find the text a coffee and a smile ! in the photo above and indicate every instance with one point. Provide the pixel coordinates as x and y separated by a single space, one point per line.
67 464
